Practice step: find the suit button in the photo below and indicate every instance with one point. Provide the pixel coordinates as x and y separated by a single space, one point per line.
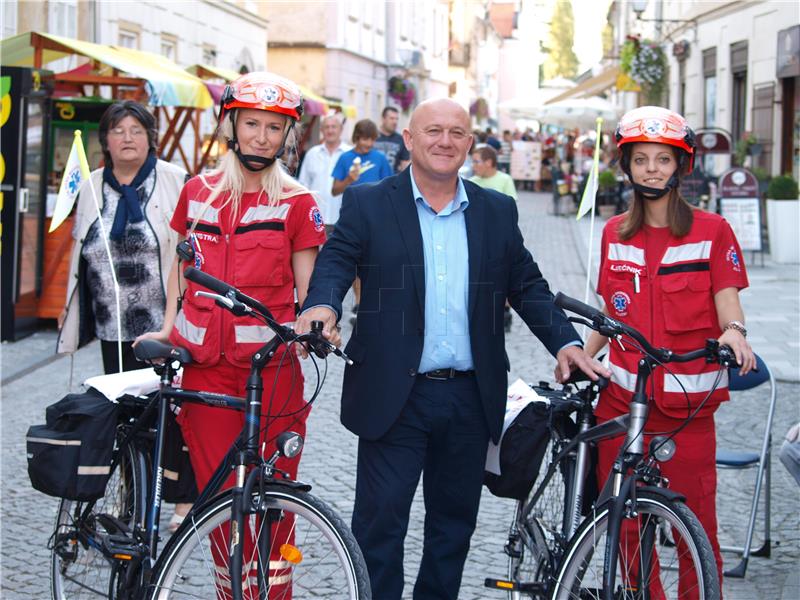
412 372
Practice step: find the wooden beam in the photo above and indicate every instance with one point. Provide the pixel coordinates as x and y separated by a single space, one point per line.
88 79
178 135
172 121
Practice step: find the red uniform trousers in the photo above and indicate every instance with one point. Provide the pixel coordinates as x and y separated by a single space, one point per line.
209 433
691 472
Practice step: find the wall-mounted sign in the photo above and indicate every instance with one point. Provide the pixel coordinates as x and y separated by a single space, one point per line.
713 141
787 63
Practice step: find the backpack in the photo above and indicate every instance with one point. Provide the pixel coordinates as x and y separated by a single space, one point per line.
70 456
521 453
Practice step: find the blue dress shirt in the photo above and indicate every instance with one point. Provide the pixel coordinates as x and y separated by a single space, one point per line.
444 246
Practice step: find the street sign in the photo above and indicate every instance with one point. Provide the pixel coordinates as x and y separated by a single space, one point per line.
741 207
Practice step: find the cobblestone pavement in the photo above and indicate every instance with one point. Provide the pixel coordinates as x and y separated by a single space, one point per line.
32 380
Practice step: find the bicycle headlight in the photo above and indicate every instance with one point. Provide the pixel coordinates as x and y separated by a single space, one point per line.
662 448
290 444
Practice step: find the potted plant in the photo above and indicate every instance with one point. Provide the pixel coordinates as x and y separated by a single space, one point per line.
745 147
403 91
606 194
783 215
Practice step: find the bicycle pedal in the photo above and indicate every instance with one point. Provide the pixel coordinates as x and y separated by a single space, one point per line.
123 548
501 584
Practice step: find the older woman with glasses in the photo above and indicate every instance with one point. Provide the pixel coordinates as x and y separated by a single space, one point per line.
137 194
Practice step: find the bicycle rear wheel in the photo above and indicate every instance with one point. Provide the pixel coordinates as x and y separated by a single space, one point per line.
536 548
78 567
685 570
299 548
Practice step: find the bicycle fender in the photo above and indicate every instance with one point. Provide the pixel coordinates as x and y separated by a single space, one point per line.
667 493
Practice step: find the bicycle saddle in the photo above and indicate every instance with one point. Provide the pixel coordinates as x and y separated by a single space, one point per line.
148 350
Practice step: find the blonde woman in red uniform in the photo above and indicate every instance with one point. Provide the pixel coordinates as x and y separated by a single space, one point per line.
253 226
673 272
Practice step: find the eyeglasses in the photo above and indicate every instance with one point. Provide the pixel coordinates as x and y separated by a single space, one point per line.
133 132
456 134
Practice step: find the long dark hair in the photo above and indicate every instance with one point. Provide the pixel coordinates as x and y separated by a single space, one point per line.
118 111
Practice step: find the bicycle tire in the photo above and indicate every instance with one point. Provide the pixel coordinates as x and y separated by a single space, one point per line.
331 564
78 568
581 572
539 547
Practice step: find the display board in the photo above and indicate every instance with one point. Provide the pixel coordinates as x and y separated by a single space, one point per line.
526 160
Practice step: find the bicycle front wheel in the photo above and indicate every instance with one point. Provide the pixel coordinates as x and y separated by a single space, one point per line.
78 567
684 568
295 547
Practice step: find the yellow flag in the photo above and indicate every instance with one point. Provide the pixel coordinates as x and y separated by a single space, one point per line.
590 191
75 172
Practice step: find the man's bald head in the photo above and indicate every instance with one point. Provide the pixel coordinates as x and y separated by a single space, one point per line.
438 138
439 106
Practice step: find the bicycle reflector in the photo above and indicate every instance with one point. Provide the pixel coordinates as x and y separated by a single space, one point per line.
291 553
290 444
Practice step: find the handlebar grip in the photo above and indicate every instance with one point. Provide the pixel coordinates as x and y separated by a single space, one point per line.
208 281
571 304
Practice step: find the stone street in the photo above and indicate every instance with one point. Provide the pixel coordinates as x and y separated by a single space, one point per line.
32 379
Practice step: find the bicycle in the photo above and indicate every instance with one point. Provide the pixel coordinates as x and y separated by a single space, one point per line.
639 540
300 546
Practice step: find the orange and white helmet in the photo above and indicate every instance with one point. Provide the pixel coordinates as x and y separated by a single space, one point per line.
262 90
657 125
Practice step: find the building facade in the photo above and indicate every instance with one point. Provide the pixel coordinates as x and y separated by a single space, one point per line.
349 50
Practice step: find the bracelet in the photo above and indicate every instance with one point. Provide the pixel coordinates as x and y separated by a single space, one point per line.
738 326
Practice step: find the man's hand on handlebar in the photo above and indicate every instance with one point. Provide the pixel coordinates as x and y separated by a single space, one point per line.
572 357
330 329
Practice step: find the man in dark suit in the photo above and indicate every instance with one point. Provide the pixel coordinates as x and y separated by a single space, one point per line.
437 257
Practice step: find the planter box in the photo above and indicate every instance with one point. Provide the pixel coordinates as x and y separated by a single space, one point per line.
783 222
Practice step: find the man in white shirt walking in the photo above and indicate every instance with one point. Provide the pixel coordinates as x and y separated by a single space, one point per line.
316 170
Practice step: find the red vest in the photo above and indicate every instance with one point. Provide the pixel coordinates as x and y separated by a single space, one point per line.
673 307
254 255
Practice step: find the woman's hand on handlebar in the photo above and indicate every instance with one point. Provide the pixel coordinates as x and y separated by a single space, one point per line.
745 357
572 357
330 329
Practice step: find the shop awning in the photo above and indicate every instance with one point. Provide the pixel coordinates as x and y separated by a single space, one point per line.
591 87
166 83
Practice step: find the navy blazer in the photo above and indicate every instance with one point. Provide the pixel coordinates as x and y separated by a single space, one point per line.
378 238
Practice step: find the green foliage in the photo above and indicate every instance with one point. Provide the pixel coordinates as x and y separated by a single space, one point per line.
606 180
645 62
561 61
742 147
760 173
782 187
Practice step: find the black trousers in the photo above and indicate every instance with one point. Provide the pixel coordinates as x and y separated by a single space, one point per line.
442 434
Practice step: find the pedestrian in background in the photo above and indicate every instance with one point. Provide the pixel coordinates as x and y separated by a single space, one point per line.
362 164
504 154
673 272
137 195
484 165
390 142
427 390
316 173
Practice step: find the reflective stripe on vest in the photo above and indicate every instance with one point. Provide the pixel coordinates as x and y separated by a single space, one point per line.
687 252
53 442
222 574
254 334
626 253
692 384
202 211
264 213
189 331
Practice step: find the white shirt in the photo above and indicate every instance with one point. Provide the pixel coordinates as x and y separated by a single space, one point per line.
316 175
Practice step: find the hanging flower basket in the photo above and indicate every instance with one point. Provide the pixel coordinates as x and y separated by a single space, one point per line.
403 92
646 64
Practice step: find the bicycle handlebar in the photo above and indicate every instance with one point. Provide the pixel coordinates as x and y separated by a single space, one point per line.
609 327
230 298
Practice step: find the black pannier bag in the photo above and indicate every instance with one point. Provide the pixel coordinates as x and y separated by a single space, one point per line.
70 456
522 450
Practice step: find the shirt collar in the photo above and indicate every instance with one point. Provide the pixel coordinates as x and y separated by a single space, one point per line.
460 200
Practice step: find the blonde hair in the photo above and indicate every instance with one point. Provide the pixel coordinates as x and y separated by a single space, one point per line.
276 183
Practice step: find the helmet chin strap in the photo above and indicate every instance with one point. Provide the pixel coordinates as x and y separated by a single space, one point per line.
650 193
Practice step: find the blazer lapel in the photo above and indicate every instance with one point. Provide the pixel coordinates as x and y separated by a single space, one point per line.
474 218
404 204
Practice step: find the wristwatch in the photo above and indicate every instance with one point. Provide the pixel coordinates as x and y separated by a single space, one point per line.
737 325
